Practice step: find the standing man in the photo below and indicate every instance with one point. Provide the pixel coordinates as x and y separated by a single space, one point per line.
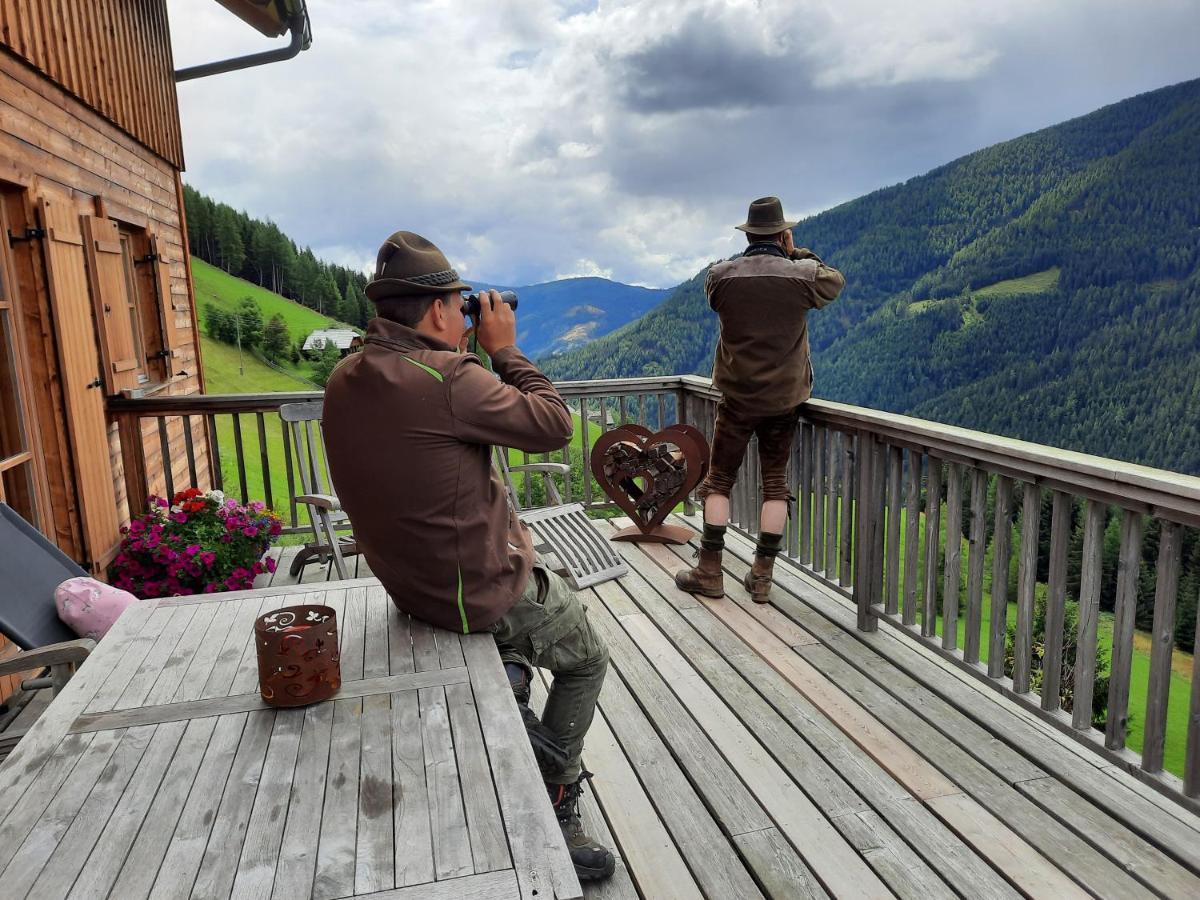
409 426
764 373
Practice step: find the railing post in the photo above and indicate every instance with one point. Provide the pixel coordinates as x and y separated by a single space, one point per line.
681 416
133 458
864 536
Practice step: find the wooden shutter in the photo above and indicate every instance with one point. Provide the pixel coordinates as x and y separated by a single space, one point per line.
79 365
110 299
174 339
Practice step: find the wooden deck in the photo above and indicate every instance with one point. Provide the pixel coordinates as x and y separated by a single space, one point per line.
745 751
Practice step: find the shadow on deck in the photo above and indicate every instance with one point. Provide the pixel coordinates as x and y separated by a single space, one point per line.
744 751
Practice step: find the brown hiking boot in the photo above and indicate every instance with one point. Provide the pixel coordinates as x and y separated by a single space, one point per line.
592 860
705 578
758 579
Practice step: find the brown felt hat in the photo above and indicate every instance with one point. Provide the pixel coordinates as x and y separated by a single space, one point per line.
765 217
409 265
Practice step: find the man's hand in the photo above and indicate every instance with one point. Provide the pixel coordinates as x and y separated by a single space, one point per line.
497 326
789 242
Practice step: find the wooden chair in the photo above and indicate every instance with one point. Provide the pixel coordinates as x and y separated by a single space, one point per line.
30 569
562 531
325 513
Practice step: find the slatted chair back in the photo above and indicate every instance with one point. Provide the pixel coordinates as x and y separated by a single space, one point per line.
31 567
304 425
561 531
325 514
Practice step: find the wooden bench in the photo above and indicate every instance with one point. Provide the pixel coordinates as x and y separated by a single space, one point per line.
158 769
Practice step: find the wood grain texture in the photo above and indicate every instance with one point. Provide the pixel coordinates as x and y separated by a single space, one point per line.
119 64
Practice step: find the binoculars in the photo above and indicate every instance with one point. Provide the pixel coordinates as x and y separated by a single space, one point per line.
471 302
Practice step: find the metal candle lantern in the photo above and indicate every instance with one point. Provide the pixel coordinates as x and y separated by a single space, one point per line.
297 655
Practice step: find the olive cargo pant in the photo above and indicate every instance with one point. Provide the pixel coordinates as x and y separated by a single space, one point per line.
548 628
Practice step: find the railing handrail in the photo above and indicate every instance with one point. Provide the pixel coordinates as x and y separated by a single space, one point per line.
1158 492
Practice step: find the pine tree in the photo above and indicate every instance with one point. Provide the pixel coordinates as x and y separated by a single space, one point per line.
230 248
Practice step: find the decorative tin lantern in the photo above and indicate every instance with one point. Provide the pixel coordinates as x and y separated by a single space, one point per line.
297 655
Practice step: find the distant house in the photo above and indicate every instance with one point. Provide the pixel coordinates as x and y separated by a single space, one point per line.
345 339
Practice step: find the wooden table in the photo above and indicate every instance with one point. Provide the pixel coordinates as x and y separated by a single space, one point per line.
159 772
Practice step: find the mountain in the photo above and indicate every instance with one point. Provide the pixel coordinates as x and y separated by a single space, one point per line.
558 316
1046 288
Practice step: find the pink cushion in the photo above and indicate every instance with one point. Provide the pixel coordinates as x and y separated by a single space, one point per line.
90 607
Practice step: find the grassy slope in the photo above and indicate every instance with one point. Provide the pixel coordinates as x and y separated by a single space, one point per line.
216 288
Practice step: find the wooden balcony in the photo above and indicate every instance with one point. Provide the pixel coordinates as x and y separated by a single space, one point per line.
798 748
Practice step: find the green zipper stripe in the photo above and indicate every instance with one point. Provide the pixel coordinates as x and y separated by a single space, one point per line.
434 372
462 611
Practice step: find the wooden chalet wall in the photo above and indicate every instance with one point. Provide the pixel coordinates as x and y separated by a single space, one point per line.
114 55
90 154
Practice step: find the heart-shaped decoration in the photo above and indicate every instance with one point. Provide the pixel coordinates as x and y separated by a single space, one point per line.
647 474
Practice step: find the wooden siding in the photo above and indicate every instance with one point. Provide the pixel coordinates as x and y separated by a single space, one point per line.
53 145
114 55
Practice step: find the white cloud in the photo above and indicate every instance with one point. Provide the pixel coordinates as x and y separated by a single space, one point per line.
531 138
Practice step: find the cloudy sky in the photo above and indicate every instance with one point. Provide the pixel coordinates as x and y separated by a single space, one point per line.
536 139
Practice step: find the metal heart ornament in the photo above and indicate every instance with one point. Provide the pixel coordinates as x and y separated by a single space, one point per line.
647 474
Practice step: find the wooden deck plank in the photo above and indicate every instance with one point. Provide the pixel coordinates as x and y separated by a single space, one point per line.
644 842
715 866
336 855
99 872
834 796
71 852
190 838
255 874
216 873
489 886
375 861
1083 861
535 839
141 866
966 706
489 846
296 870
836 864
451 845
410 817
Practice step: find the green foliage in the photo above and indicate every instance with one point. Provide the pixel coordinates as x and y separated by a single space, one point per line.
249 322
276 344
326 359
1070 632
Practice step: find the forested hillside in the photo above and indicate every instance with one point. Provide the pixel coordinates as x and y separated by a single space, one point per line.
259 252
1046 288
555 316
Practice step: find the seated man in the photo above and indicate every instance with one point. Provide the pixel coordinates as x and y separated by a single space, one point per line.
409 426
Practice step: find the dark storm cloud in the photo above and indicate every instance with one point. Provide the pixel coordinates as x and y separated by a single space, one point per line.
700 66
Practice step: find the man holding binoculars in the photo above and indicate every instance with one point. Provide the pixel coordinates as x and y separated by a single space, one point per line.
409 426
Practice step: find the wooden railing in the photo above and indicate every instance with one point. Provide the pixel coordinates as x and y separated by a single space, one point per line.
877 496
